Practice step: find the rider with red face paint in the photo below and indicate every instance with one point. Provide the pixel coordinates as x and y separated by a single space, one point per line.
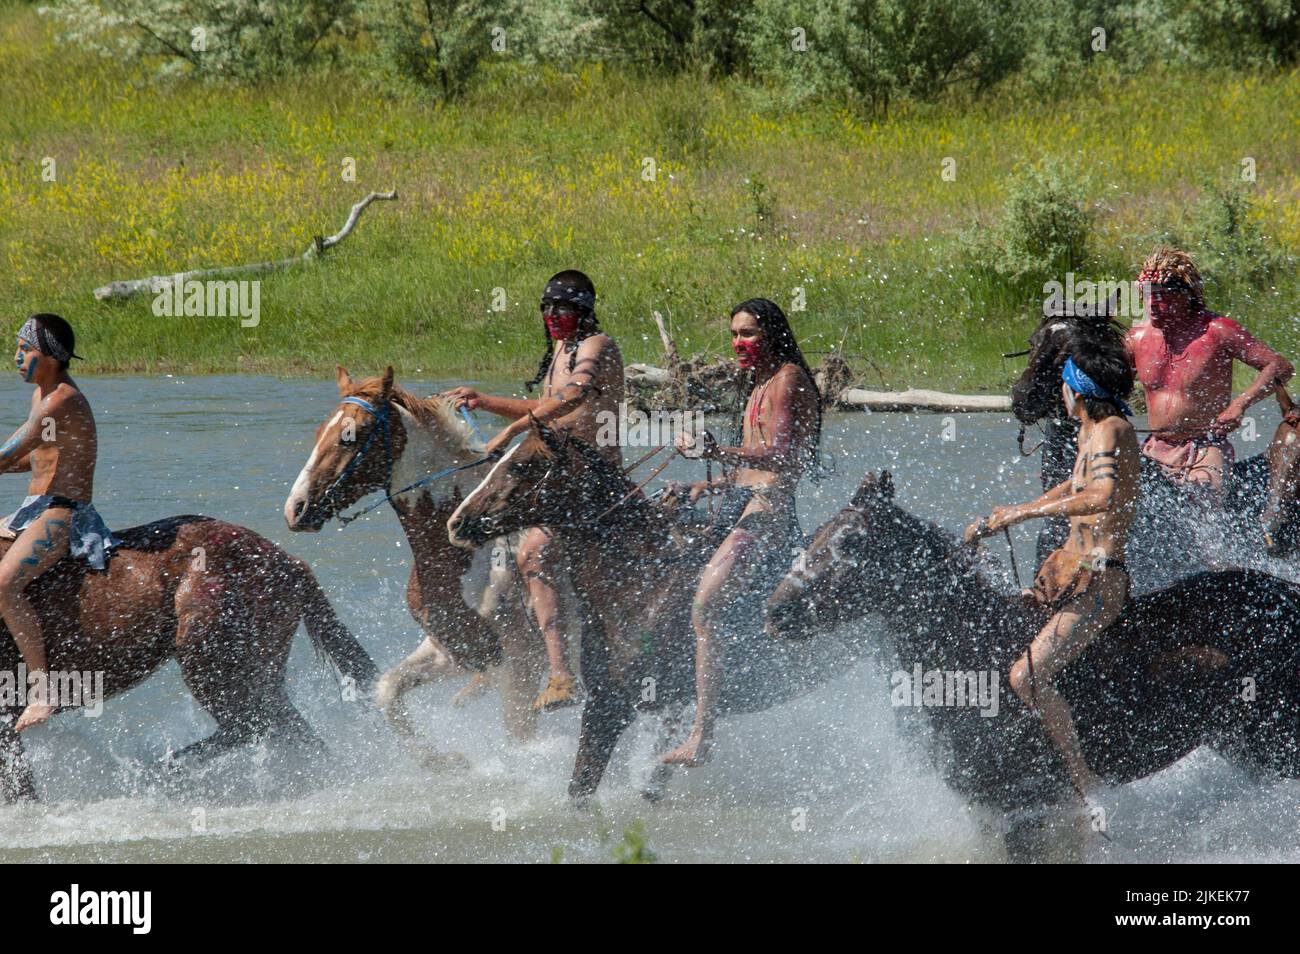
780 429
1184 355
58 445
582 372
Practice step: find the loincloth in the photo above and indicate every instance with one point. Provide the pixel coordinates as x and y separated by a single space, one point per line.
1185 461
88 536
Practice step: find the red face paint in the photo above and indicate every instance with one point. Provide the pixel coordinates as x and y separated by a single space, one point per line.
749 351
560 325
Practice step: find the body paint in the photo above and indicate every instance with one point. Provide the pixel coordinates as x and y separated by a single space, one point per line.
12 444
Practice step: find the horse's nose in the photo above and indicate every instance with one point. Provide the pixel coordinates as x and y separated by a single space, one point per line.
294 508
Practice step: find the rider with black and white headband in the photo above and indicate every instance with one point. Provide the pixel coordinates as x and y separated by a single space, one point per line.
582 374
57 443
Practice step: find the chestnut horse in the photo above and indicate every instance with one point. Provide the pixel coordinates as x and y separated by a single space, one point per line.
221 600
1213 659
381 437
1265 489
634 567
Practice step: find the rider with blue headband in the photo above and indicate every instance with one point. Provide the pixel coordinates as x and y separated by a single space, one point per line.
1083 586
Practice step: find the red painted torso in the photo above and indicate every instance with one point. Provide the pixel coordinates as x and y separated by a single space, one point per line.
1187 373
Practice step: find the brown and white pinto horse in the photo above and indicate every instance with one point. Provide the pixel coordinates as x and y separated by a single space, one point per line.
382 437
221 600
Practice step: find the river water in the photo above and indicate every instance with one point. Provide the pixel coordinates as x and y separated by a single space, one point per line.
825 778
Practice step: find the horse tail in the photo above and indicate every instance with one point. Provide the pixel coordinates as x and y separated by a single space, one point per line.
328 634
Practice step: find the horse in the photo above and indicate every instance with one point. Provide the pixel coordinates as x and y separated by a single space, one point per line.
221 600
634 566
1264 499
380 437
1213 659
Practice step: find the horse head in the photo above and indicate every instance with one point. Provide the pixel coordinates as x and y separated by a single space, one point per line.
356 447
836 577
550 479
1037 392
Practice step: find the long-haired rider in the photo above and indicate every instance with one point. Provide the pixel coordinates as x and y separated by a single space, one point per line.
780 431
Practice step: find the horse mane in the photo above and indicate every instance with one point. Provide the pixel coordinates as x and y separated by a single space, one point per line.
433 412
632 511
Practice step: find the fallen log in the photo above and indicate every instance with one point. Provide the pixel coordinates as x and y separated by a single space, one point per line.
648 378
319 245
919 399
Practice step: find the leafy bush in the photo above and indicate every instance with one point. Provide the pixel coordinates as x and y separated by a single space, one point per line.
671 34
245 39
1042 232
1224 237
875 50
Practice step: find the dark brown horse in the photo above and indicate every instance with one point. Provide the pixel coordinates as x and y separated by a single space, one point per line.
221 600
381 437
1265 498
1212 660
634 567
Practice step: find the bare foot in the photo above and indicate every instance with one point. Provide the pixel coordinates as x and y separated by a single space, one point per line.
695 751
33 715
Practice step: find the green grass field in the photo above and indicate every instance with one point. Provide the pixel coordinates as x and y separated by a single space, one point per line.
530 175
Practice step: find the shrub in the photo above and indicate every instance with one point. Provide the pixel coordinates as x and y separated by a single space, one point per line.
245 39
1042 232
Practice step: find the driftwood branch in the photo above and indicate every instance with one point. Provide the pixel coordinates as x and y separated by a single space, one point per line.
914 399
919 399
317 248
670 349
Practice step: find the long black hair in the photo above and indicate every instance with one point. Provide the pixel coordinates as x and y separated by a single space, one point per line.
567 286
1102 356
785 350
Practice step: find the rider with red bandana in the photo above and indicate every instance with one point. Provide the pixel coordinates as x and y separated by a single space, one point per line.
583 374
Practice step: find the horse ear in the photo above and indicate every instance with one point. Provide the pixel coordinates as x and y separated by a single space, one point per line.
344 380
873 488
545 434
865 492
387 386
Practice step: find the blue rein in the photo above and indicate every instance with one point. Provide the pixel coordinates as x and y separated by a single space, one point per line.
382 423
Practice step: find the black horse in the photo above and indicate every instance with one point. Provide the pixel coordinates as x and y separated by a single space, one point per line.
1212 660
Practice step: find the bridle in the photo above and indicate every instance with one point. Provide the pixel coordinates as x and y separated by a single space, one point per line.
383 424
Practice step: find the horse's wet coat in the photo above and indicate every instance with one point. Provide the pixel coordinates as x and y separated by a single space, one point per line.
1160 682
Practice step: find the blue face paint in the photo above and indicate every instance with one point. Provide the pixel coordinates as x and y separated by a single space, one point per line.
29 372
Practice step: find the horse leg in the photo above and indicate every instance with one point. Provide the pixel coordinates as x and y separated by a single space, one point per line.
233 662
426 664
607 711
502 604
15 774
666 739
